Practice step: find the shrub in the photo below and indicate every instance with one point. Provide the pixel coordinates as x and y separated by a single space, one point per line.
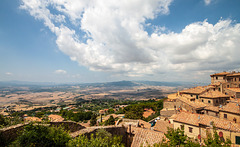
42 136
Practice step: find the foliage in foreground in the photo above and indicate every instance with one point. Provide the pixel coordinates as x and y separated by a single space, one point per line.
42 136
213 140
102 139
177 137
9 121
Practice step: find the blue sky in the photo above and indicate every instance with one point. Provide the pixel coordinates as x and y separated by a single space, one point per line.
108 40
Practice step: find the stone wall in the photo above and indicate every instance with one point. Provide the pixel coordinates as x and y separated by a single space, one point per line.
171 104
9 134
114 130
70 126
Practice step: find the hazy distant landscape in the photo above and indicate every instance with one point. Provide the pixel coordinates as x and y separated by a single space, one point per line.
53 94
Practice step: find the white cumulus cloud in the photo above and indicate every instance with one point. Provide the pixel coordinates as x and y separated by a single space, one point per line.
207 2
8 73
60 71
111 36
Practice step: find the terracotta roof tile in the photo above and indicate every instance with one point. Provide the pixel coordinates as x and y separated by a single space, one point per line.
212 108
213 94
188 118
220 74
231 107
234 89
193 104
196 119
55 118
148 113
233 74
146 137
162 126
32 119
144 124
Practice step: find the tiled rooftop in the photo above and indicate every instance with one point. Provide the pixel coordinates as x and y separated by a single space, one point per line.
233 74
231 107
196 119
193 104
213 94
55 118
162 126
144 124
148 113
188 118
32 119
212 108
220 74
234 89
146 137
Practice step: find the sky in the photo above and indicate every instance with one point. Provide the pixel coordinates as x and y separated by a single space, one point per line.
85 41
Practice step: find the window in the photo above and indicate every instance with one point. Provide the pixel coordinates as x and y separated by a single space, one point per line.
216 78
182 127
209 102
191 95
225 115
202 100
190 129
221 100
197 95
216 101
207 111
235 120
237 139
227 86
219 89
235 79
216 114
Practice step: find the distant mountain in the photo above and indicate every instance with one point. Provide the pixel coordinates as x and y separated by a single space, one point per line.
156 83
24 83
105 84
133 83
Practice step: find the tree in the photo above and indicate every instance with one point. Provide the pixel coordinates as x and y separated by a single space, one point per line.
176 137
39 114
39 135
110 121
3 121
215 140
102 139
93 120
110 111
